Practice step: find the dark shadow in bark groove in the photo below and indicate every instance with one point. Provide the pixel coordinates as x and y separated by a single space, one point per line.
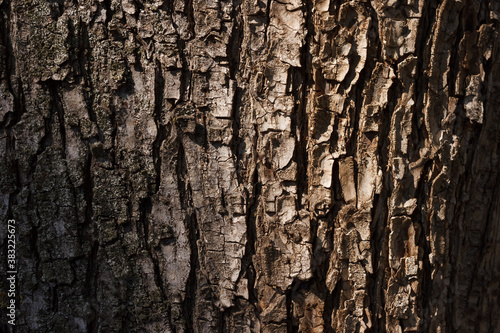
236 140
422 194
301 84
184 188
160 128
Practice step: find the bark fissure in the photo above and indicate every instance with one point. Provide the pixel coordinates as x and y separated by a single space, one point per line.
160 127
186 205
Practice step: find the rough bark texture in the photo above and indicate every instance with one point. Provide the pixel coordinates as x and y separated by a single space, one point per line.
252 166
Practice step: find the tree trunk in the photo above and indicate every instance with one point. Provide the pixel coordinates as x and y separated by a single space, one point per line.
251 166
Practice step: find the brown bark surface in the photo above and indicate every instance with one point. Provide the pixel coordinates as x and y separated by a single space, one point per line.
251 166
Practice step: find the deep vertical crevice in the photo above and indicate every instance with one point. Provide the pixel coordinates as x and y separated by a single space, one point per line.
422 196
328 310
184 188
454 65
253 194
246 261
160 128
233 48
423 49
109 12
268 21
234 54
189 11
301 84
186 75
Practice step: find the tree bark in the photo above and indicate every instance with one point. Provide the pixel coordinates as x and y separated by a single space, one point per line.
252 166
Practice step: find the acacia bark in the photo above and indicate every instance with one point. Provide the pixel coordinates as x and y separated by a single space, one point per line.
252 166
